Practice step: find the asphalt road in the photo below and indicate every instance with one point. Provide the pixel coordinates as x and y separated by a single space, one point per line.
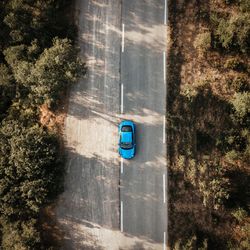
109 203
142 76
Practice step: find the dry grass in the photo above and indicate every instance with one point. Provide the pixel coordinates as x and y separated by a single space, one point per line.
199 113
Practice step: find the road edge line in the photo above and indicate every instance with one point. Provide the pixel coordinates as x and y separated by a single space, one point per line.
165 12
121 165
122 98
164 128
123 28
164 67
164 241
164 188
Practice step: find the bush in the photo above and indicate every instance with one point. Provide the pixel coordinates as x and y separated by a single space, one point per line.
7 89
246 155
192 242
189 92
241 104
245 242
224 32
232 155
212 184
180 164
240 214
14 54
203 41
234 64
244 5
6 78
20 235
19 22
240 84
242 30
232 32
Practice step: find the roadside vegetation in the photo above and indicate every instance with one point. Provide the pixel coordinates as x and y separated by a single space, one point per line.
38 61
208 124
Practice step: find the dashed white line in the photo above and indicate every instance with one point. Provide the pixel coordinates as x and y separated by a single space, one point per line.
123 27
121 165
164 132
121 98
164 66
164 241
164 188
165 12
121 216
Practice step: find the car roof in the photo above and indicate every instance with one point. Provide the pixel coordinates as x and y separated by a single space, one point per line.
126 137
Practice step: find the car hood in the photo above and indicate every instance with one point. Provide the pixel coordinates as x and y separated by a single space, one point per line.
127 153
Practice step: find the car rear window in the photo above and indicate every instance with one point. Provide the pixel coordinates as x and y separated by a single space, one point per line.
126 128
126 145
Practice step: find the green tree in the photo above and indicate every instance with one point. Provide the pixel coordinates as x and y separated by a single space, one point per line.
6 78
34 68
29 169
56 67
19 24
233 32
7 89
20 235
14 54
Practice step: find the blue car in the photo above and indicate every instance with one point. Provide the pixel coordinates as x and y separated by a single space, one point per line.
127 139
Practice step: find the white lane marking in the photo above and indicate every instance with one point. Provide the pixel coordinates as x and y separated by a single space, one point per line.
121 165
164 132
121 216
121 98
164 188
165 12
164 241
164 66
123 27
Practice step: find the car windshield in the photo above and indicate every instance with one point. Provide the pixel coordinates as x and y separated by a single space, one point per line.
126 128
126 145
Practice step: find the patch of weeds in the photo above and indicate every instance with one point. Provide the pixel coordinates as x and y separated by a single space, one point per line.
239 214
189 91
203 41
240 84
235 64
